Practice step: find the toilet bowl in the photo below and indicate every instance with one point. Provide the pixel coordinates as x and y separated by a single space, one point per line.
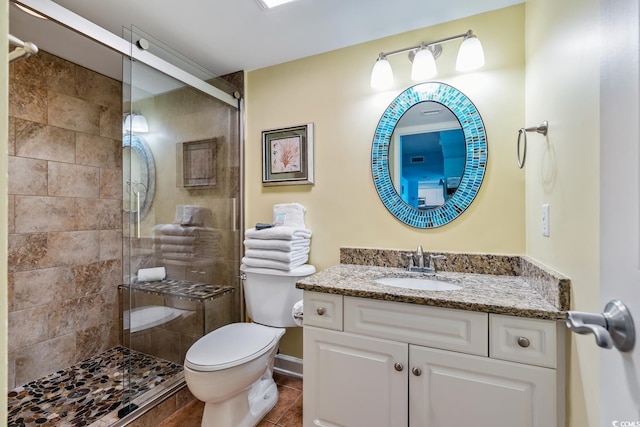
231 368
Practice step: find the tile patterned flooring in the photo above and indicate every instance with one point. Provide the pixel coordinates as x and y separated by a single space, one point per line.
89 391
286 413
288 410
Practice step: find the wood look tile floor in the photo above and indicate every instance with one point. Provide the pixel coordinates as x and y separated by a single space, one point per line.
286 413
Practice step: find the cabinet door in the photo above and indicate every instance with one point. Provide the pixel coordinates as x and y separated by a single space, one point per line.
455 389
353 381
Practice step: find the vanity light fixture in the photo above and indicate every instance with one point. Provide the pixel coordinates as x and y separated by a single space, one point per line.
433 112
29 11
135 123
269 4
423 56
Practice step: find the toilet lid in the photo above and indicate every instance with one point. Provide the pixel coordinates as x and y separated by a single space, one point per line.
230 346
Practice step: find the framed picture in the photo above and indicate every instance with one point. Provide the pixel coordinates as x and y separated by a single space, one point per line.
199 163
287 156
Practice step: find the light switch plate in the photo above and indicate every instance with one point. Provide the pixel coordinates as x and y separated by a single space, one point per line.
545 220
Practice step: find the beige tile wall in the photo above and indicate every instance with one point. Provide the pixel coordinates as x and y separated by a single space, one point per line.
65 222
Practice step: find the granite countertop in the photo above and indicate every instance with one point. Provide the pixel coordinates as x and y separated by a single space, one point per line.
501 294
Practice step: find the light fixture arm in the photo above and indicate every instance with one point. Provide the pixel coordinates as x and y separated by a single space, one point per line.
425 45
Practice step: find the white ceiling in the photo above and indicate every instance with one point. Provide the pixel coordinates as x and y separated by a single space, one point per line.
231 35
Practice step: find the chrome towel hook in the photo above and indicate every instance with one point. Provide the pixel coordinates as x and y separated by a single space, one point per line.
542 128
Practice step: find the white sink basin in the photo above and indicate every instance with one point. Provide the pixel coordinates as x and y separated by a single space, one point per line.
419 284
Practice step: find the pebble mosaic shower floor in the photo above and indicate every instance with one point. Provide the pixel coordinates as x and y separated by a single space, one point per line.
86 392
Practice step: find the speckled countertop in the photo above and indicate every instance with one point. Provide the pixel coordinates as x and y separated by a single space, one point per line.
512 294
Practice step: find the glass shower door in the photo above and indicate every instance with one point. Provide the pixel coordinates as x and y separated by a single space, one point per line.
182 217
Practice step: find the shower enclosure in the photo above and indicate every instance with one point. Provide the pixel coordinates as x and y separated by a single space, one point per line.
125 219
182 204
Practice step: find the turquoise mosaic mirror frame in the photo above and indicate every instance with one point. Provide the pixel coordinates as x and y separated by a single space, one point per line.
475 159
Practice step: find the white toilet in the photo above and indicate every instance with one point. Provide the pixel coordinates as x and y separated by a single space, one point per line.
231 368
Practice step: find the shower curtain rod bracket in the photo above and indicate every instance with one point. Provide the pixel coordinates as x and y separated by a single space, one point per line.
23 50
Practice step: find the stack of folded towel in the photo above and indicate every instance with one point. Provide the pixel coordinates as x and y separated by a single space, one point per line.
283 247
189 238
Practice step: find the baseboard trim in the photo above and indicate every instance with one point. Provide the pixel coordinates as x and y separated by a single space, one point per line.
288 365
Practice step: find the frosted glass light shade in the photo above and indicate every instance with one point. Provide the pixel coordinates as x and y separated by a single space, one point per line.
470 55
135 123
381 75
269 4
424 65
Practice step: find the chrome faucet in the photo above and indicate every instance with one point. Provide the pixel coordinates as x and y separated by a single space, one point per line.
418 258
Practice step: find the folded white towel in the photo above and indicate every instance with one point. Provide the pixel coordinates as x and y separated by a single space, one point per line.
177 240
278 265
297 312
275 255
280 245
179 255
201 233
151 274
177 219
193 215
196 215
176 230
178 248
289 215
281 233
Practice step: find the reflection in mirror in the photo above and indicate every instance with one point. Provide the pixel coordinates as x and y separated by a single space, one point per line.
428 171
138 171
427 155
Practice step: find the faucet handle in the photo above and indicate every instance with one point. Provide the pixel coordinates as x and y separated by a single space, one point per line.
432 265
409 256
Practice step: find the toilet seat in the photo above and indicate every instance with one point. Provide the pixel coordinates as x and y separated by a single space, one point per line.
230 346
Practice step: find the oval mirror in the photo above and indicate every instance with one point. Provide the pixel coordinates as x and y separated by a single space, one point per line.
429 155
139 176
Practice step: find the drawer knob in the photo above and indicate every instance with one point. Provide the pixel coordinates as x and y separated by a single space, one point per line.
416 371
398 366
321 311
524 342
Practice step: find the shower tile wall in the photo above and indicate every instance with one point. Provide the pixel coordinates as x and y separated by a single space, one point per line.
65 228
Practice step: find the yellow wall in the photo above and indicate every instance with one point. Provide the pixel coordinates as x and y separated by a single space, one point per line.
562 86
332 90
4 208
562 81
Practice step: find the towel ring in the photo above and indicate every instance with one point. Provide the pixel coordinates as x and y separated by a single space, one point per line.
542 128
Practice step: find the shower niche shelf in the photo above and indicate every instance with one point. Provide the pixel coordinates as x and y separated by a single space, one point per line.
164 318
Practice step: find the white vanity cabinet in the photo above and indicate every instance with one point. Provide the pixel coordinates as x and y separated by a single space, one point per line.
393 364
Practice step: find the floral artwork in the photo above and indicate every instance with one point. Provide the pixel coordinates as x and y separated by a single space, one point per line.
285 155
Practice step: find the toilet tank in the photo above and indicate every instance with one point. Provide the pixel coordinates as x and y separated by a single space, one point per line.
270 294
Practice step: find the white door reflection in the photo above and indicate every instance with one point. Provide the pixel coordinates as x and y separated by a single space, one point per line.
427 155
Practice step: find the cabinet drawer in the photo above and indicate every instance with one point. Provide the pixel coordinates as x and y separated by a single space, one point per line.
323 310
447 329
523 340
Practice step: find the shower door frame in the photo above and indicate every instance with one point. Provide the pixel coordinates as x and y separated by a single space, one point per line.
93 31
118 44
